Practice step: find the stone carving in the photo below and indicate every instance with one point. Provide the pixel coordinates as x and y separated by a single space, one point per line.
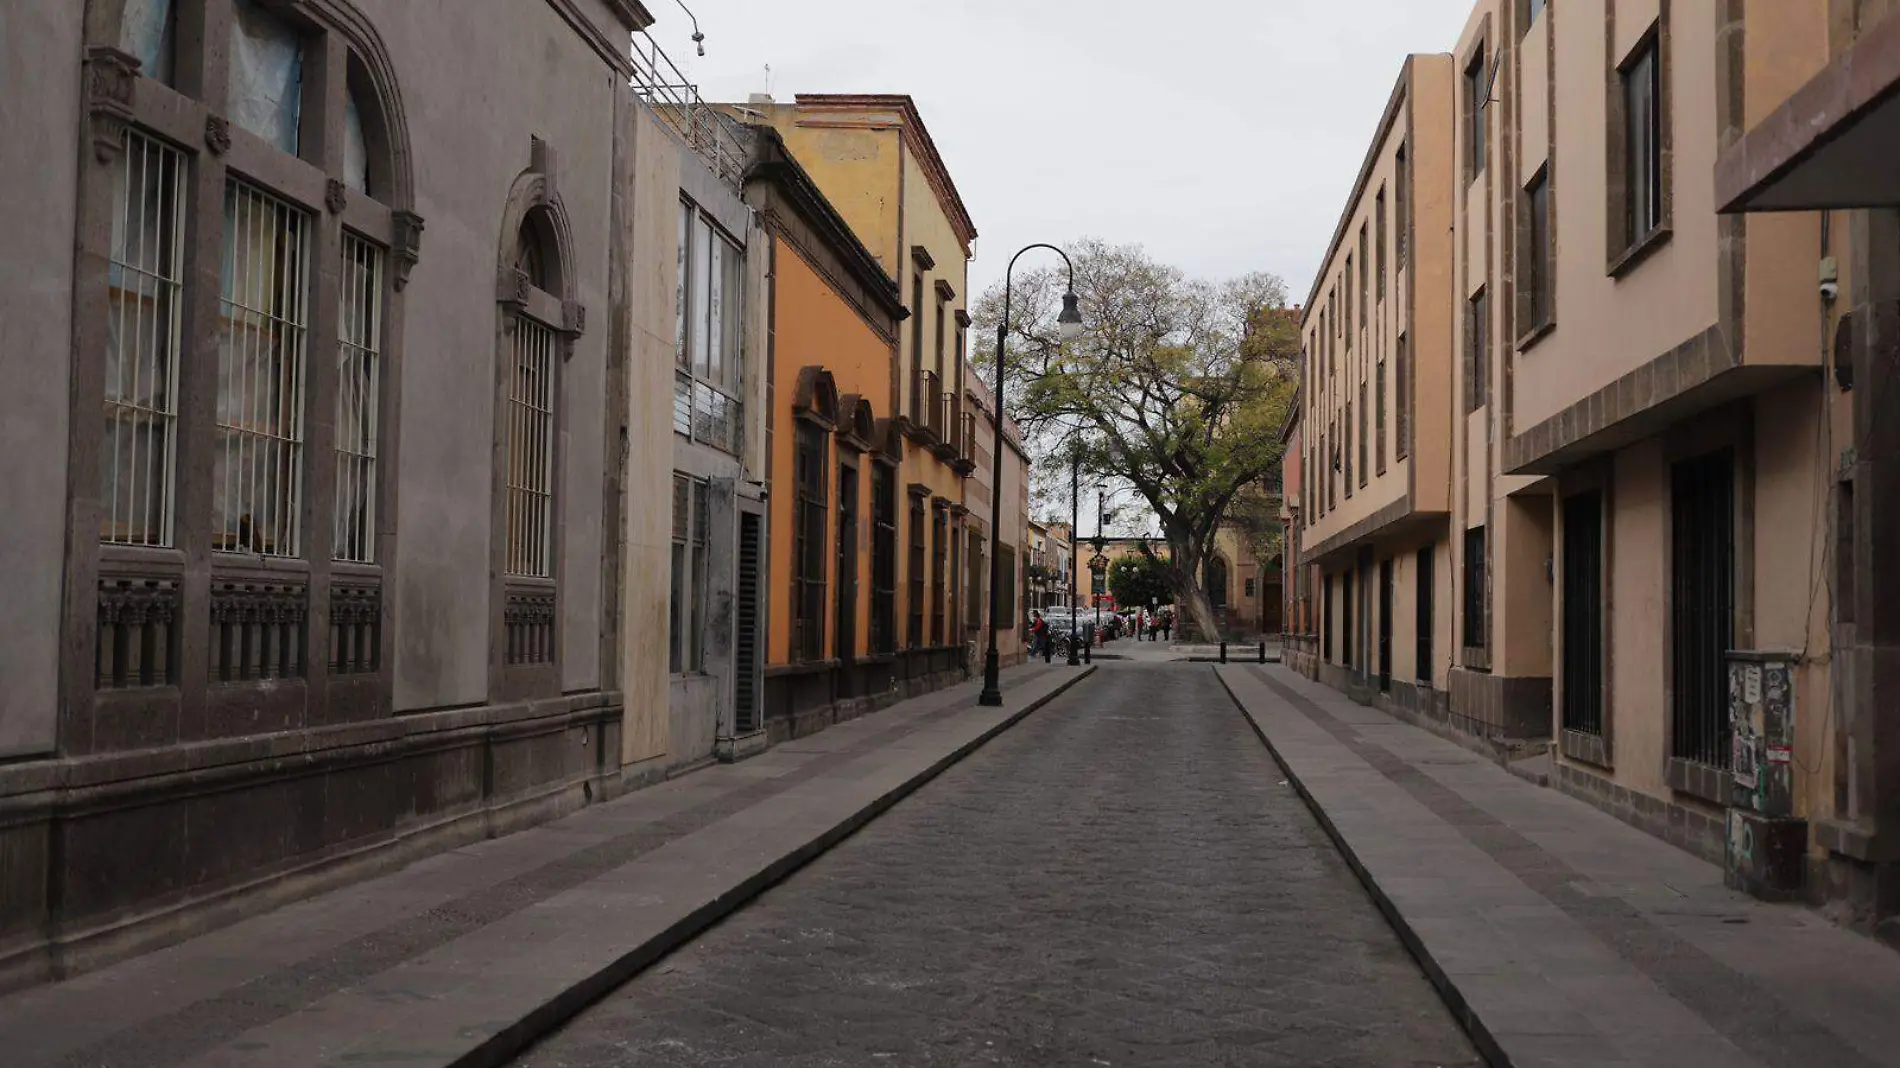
137 631
335 197
111 79
574 318
217 134
356 616
257 630
408 244
528 619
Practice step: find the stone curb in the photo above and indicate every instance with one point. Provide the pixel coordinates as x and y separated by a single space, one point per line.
1481 1036
511 1041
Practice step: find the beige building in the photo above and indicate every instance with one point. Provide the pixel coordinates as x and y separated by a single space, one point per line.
1012 533
1654 489
1373 485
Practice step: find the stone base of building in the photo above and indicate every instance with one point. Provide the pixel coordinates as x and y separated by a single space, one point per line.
1512 707
115 855
1698 830
803 699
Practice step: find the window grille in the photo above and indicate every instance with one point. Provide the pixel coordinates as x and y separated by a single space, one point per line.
809 550
702 542
1702 605
1474 588
1583 613
915 633
359 374
531 452
883 559
677 608
141 373
258 482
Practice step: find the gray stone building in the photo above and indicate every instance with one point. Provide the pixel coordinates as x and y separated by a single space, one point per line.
337 349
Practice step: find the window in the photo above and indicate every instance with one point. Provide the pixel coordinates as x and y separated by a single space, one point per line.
147 33
1583 613
145 282
709 344
976 582
1214 578
1347 473
1326 618
1537 258
265 89
939 573
1477 351
1379 212
1007 588
1701 605
914 635
257 498
1378 415
1401 184
530 416
917 348
1642 144
692 536
1422 619
1474 588
1252 588
359 376
1477 98
1363 270
1402 399
1364 467
809 544
883 558
1345 284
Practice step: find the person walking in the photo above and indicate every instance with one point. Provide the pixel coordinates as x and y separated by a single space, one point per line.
1167 625
1039 636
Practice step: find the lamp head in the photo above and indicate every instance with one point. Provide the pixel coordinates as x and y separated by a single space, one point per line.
1070 321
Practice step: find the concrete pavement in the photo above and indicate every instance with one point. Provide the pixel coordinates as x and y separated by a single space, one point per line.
464 958
1562 936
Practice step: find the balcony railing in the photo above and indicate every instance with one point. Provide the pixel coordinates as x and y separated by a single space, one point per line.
676 100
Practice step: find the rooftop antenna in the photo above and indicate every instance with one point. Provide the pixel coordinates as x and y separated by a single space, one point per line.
699 39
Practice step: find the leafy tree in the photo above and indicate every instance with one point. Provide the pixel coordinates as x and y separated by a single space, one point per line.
1177 388
1135 581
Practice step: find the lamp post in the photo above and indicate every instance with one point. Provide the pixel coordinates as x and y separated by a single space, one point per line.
1071 326
1075 498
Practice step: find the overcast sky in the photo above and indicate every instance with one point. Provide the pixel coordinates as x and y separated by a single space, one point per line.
1221 134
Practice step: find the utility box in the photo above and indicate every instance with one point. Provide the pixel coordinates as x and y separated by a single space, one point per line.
1767 845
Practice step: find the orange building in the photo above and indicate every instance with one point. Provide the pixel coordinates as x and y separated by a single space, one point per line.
836 458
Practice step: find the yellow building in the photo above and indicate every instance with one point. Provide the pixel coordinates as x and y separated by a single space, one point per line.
875 163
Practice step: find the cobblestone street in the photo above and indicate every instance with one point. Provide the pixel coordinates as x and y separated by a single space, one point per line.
1122 879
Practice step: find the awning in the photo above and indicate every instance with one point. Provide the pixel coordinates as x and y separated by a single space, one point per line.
1834 144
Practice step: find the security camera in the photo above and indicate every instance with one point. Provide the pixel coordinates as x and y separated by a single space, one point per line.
1830 290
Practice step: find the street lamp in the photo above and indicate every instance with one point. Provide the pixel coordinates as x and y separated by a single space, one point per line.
1075 504
1070 325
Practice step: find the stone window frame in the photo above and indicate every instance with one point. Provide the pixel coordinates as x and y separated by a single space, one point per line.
1365 269
940 618
1379 212
1536 293
1401 396
319 623
1401 208
1477 355
1474 79
1624 250
1365 440
885 522
1378 417
536 281
815 421
917 559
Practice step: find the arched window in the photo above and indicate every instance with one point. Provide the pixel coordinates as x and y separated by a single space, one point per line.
1214 580
288 226
539 322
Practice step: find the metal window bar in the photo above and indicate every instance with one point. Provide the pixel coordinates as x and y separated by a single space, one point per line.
1702 606
531 452
679 641
883 560
258 483
1583 614
144 294
702 555
1423 616
1474 588
359 377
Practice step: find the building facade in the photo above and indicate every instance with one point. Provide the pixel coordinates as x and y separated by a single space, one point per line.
1012 531
837 464
1661 449
1374 494
314 522
873 159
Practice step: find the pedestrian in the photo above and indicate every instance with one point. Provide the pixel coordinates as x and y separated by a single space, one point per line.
1167 625
1039 635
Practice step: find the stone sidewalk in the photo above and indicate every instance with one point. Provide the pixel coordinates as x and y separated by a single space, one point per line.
1560 935
466 957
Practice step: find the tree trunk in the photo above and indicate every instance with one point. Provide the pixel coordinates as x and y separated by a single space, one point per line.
1190 601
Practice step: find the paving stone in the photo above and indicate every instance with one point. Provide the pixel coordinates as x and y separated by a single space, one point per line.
1122 879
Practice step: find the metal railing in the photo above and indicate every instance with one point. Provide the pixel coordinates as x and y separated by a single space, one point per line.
676 100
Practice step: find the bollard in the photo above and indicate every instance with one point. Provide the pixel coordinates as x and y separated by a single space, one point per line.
1263 652
1223 651
1087 650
